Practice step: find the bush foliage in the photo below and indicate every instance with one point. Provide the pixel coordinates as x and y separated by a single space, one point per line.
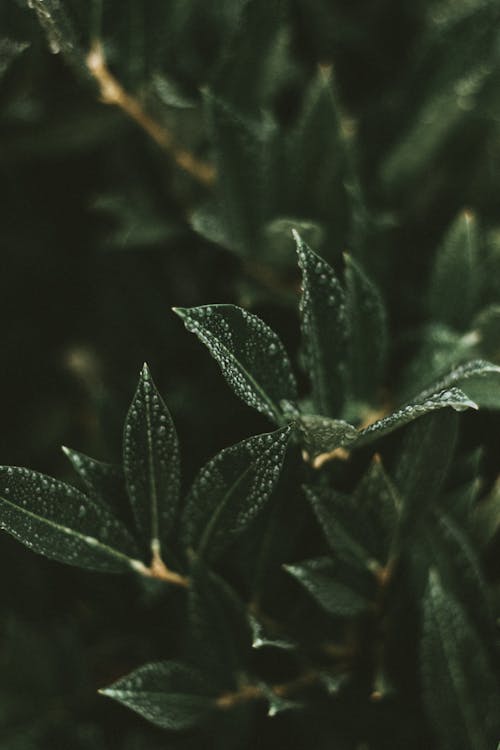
310 189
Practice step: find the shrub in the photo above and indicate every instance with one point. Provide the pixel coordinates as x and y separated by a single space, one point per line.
331 582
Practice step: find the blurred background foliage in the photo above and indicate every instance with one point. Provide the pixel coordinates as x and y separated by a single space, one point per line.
370 126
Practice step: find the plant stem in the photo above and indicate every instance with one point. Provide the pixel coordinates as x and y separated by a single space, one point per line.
113 93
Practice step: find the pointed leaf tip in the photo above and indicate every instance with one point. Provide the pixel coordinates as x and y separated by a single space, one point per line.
324 329
151 463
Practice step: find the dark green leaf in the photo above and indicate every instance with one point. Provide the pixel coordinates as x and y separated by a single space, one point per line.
455 283
56 520
318 171
250 355
478 379
378 504
454 557
219 634
151 464
460 691
170 694
340 520
104 482
231 489
334 587
322 435
242 148
367 326
426 455
423 404
323 330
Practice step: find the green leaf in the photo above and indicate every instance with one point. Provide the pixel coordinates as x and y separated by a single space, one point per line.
252 358
426 455
322 435
219 633
479 379
455 282
230 490
318 163
242 148
56 520
104 482
368 341
336 588
460 691
422 405
151 464
340 520
323 321
170 694
459 567
378 504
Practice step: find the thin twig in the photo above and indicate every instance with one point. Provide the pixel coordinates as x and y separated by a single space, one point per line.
159 570
113 93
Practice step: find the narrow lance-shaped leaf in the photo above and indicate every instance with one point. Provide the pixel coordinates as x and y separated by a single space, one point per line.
455 282
230 490
337 588
422 405
242 149
219 635
460 692
323 321
252 358
103 481
378 504
367 324
151 464
317 157
479 379
170 694
426 455
454 557
339 519
56 520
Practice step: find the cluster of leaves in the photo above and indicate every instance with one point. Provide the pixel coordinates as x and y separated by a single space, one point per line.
395 534
334 570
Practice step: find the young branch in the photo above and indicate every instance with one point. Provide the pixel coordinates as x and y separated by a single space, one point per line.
113 93
160 571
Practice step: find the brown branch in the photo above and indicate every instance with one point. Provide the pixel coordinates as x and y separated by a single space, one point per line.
159 570
113 93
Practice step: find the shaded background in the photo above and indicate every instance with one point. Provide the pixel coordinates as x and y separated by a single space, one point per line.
97 244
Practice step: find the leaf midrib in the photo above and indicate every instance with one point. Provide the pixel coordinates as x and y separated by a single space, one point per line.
275 414
66 531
